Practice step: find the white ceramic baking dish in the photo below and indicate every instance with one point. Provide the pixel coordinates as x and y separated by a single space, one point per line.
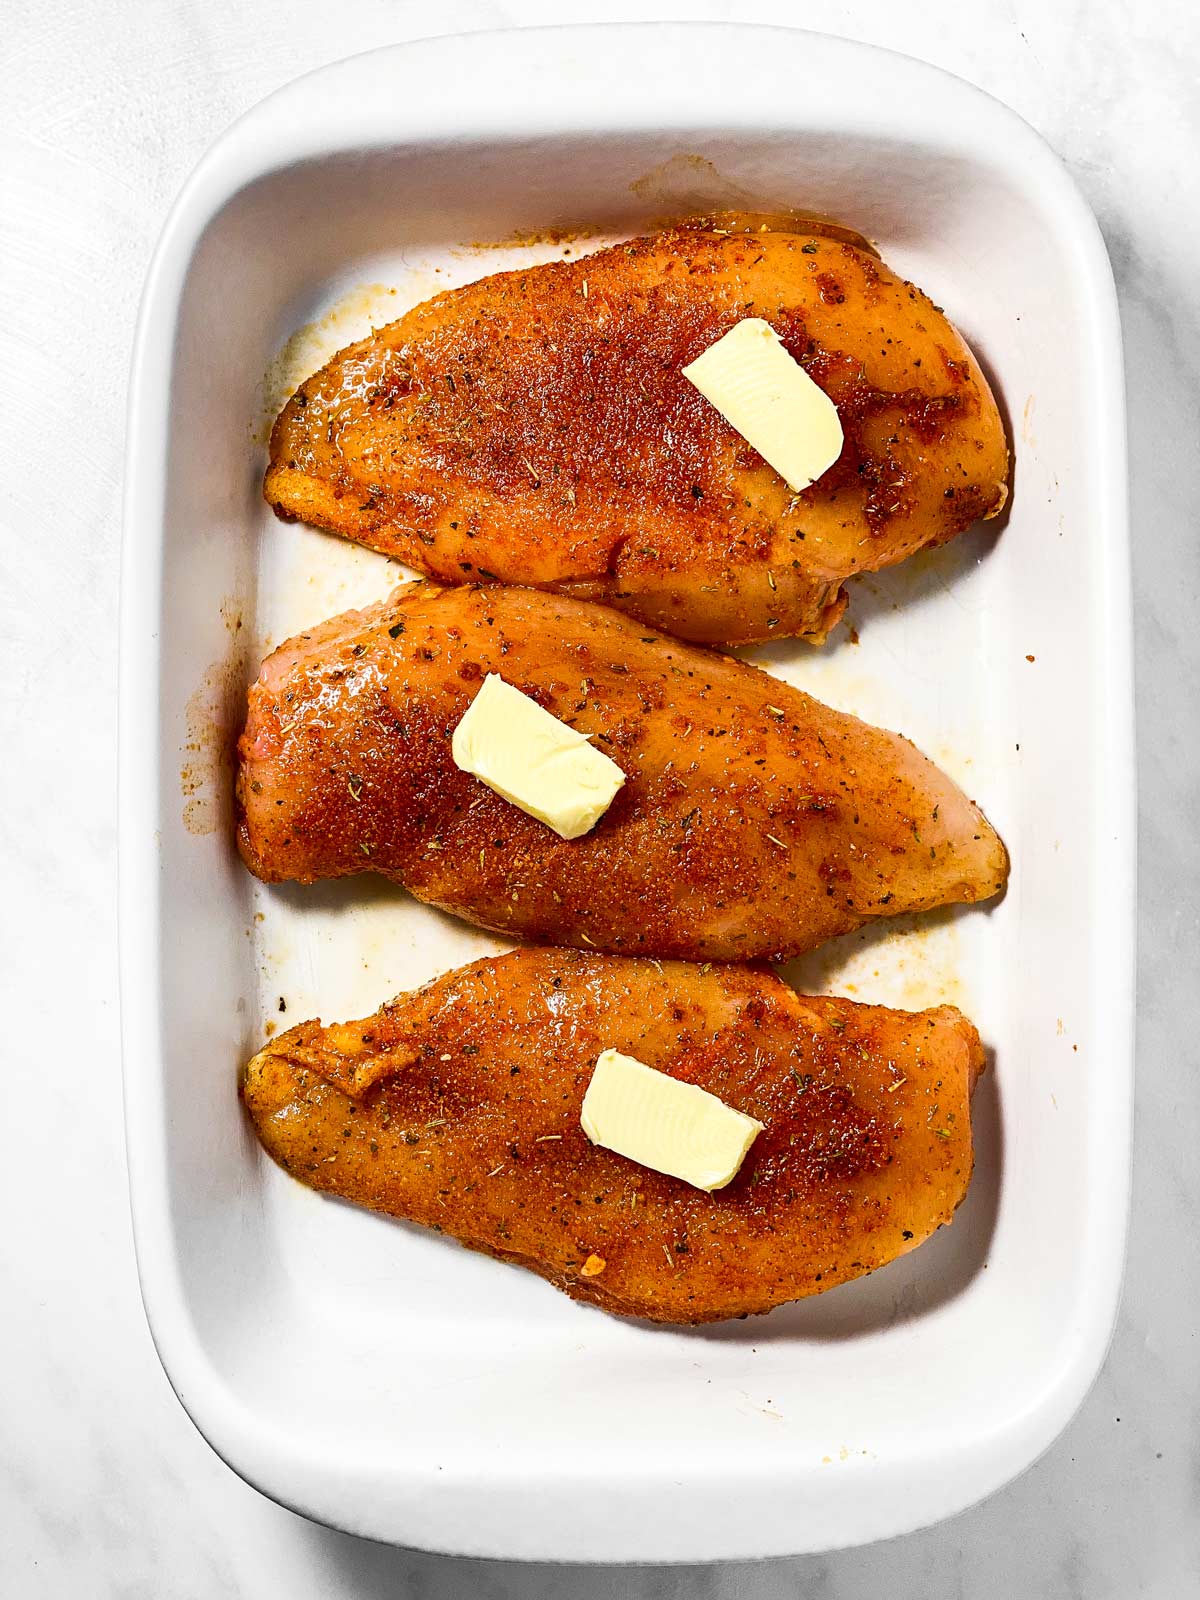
387 1381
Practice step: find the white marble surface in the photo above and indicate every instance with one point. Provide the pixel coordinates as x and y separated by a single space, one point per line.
105 1488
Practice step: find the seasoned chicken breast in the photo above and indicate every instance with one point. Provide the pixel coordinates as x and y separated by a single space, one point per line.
536 427
753 821
459 1107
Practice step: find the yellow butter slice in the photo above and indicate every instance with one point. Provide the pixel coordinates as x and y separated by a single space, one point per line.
659 1122
772 402
534 761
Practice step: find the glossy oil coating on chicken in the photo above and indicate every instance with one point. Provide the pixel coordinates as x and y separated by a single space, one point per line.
536 427
458 1107
753 822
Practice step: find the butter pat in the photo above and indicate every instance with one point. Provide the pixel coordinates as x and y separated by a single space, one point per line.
664 1124
770 400
533 760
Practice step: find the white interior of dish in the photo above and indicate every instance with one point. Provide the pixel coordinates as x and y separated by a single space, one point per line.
396 1358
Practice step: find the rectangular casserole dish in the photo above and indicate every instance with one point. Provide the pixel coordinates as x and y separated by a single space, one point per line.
384 1380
